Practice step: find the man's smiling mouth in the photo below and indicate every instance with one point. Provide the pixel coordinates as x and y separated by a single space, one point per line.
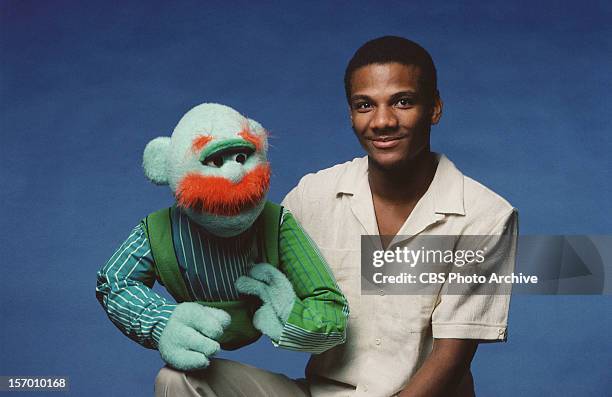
385 141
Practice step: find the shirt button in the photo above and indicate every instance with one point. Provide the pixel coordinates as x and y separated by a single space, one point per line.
502 331
382 292
377 341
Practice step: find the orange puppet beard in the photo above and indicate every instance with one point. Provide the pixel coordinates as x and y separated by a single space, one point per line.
220 196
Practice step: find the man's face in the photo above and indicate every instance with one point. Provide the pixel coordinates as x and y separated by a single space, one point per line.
390 114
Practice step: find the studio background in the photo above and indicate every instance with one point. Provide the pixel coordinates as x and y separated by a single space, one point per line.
85 85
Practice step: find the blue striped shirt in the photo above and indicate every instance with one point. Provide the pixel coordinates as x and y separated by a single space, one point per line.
210 266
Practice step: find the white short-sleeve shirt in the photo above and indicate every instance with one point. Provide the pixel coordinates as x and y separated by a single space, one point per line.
389 336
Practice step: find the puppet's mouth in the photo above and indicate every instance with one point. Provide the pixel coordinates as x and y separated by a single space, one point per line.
220 196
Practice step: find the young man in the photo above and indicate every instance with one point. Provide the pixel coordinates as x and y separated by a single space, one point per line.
397 345
409 345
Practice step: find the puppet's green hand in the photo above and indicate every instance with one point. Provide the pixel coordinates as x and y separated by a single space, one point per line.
276 293
190 336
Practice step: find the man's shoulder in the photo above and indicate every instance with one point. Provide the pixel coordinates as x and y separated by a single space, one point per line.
326 182
481 202
460 194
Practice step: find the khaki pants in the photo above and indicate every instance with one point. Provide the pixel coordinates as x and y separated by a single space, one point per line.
225 378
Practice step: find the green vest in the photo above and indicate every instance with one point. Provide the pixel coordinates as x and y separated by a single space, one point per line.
241 331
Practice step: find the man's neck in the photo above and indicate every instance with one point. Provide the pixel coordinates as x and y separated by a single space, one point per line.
404 184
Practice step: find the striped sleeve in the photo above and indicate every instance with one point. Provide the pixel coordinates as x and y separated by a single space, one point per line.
124 291
318 319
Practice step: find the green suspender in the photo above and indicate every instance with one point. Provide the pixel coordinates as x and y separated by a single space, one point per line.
269 221
159 232
241 331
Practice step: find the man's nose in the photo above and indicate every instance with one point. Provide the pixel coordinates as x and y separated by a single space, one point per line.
384 118
234 171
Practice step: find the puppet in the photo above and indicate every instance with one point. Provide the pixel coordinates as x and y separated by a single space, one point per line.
236 264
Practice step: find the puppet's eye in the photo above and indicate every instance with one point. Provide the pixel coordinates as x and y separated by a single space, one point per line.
215 162
240 158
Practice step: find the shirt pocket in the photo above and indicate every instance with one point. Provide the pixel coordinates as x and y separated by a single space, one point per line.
410 313
345 265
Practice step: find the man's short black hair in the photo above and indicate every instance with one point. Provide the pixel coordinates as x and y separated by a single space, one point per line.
389 49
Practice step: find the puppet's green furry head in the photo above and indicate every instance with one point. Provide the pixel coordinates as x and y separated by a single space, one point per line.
215 164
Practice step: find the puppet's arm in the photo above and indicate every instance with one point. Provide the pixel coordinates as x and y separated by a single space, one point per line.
314 317
124 291
184 334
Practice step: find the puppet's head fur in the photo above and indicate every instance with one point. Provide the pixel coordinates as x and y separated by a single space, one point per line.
216 165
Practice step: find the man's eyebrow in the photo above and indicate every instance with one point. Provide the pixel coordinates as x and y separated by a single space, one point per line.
408 93
360 97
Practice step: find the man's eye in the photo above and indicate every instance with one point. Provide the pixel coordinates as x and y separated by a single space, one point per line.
362 105
215 162
405 102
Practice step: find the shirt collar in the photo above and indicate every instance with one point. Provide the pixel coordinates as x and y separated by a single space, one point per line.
445 190
353 177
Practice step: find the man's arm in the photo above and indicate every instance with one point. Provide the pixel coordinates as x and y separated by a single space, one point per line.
303 308
445 372
459 322
318 319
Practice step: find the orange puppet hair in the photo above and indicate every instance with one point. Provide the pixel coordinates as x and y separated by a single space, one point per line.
199 142
248 136
220 196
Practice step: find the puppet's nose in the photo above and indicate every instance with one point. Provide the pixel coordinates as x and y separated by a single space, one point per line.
234 171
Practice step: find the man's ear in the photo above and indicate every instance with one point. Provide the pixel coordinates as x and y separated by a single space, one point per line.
155 160
436 110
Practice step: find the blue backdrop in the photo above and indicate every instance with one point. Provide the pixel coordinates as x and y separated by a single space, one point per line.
85 85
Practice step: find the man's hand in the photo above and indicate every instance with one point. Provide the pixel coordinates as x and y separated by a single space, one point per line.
276 293
445 372
190 337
